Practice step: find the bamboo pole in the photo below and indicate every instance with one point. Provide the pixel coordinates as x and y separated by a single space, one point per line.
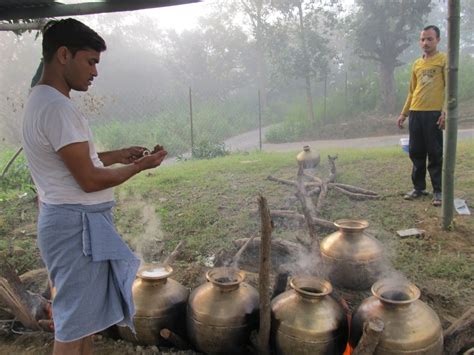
449 161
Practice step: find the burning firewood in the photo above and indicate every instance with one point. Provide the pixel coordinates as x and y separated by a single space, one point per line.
174 339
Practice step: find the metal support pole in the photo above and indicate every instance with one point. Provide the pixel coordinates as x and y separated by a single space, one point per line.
449 161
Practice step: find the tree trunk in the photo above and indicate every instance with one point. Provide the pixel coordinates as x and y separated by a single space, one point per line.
261 64
309 94
387 85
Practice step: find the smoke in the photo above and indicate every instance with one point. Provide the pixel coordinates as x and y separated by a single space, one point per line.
149 245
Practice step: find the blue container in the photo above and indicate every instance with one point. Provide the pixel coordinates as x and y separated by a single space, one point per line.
404 144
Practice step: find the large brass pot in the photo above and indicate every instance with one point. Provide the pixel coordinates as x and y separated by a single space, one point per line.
160 302
411 327
222 312
352 258
306 320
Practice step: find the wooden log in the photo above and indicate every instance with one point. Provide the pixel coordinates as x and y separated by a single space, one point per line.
460 335
174 339
351 188
291 182
174 254
281 181
356 196
264 278
322 198
332 168
28 307
373 329
309 210
236 258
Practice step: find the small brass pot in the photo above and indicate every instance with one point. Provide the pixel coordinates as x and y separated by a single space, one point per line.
160 302
307 159
352 258
411 326
306 320
222 312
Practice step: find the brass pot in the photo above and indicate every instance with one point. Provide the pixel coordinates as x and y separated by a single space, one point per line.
222 312
307 158
352 258
411 326
160 302
306 320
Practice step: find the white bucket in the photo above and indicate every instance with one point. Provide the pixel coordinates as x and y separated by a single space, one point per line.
404 144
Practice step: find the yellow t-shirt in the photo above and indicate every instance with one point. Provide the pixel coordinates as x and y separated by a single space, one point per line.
427 85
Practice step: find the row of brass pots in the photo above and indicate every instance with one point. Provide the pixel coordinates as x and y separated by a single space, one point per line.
305 319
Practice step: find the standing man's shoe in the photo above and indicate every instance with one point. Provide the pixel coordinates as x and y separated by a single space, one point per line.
437 199
415 194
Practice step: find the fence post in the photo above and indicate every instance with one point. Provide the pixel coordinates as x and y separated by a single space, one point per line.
191 120
325 98
346 90
259 121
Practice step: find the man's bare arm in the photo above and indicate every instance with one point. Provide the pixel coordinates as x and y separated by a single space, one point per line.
77 159
121 156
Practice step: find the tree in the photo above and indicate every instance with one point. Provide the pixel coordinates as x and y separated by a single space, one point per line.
300 46
382 31
258 13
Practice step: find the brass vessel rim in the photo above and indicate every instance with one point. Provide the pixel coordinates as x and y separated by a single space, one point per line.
235 275
303 285
351 225
146 272
381 288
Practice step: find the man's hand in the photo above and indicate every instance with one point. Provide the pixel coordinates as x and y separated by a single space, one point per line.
129 155
152 160
441 120
400 120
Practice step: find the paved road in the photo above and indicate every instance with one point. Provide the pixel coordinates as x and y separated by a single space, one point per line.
249 141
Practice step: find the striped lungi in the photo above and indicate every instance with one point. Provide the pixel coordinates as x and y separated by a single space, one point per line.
90 266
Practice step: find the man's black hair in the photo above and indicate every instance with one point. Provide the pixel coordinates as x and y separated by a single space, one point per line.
433 27
72 34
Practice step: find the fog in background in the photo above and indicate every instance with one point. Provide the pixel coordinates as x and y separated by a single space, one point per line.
313 64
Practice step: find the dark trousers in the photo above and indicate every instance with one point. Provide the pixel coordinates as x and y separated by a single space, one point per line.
426 140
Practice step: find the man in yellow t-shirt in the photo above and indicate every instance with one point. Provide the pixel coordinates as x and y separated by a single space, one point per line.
425 108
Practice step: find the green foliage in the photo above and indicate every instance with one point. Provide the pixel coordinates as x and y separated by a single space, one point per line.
363 97
17 179
208 150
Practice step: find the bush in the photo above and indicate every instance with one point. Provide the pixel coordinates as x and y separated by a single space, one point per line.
17 177
208 150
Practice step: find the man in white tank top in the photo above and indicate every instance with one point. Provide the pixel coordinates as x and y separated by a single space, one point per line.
72 179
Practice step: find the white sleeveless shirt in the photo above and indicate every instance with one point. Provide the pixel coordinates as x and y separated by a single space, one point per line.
50 122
